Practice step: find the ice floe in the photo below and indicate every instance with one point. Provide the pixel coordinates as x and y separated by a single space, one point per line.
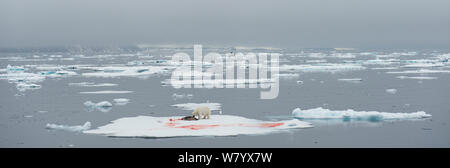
192 106
420 71
108 92
355 80
321 113
27 86
76 128
181 96
326 67
416 77
217 125
103 106
92 84
391 91
119 71
121 101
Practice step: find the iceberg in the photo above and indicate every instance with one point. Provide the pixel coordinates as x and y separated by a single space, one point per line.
77 128
321 113
217 125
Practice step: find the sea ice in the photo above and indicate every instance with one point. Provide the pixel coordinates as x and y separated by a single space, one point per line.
181 96
321 113
121 101
92 84
355 80
417 77
217 125
103 106
27 86
391 91
108 92
192 106
77 128
326 67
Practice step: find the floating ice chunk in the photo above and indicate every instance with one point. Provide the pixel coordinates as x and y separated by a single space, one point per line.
77 128
423 65
321 113
14 69
27 86
91 84
121 101
213 82
217 125
192 106
353 80
416 77
103 106
288 75
420 71
181 96
127 71
391 91
108 92
299 82
322 67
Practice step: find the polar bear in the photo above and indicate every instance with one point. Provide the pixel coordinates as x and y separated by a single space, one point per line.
202 111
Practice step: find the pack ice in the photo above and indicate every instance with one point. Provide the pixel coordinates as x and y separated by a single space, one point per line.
217 125
76 128
321 113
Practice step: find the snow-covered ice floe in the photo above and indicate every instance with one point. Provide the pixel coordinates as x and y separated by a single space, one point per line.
321 113
391 91
420 71
326 67
108 92
217 125
103 106
120 71
76 128
417 77
27 86
192 106
353 80
121 101
92 84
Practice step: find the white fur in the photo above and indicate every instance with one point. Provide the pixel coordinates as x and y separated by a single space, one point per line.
202 112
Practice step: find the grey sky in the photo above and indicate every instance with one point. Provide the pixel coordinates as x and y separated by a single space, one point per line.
281 23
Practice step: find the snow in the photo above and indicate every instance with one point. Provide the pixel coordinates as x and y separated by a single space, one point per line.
356 80
420 71
108 92
121 101
391 91
76 128
27 86
119 71
103 106
326 67
91 84
321 113
417 77
192 106
217 125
